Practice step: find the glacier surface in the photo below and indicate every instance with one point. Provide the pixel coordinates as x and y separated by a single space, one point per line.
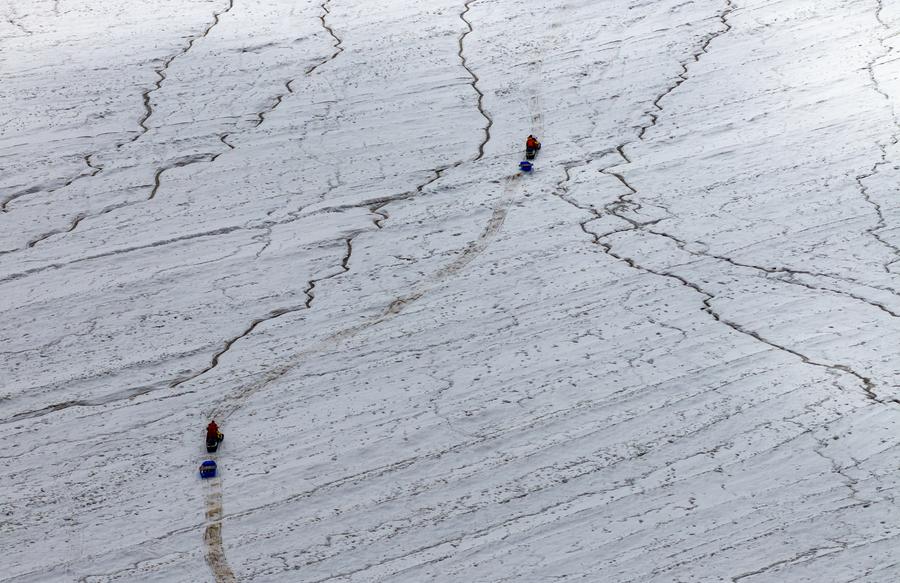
670 354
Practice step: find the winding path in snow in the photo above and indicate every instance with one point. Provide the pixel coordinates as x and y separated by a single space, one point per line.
214 549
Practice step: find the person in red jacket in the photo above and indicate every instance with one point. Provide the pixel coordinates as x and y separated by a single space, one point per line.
531 143
212 431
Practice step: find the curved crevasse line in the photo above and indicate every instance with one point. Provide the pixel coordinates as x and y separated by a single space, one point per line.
376 207
213 547
161 72
683 75
72 226
867 383
624 203
14 21
272 315
489 122
338 42
881 224
154 189
790 273
94 170
23 193
261 115
224 139
468 253
180 163
208 158
338 49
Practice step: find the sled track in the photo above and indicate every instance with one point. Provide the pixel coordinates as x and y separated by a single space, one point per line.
469 253
535 104
474 248
489 122
212 538
624 203
213 549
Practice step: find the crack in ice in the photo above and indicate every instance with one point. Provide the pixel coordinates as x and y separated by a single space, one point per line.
474 83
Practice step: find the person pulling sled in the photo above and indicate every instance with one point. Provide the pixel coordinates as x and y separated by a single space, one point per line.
532 145
213 436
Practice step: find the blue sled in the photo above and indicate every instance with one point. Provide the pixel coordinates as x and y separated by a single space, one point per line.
526 166
208 469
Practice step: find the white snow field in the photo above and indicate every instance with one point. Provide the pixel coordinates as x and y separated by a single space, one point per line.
670 354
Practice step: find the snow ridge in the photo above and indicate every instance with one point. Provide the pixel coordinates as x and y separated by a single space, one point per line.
474 83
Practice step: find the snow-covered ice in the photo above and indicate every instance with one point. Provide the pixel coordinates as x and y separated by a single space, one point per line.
668 355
